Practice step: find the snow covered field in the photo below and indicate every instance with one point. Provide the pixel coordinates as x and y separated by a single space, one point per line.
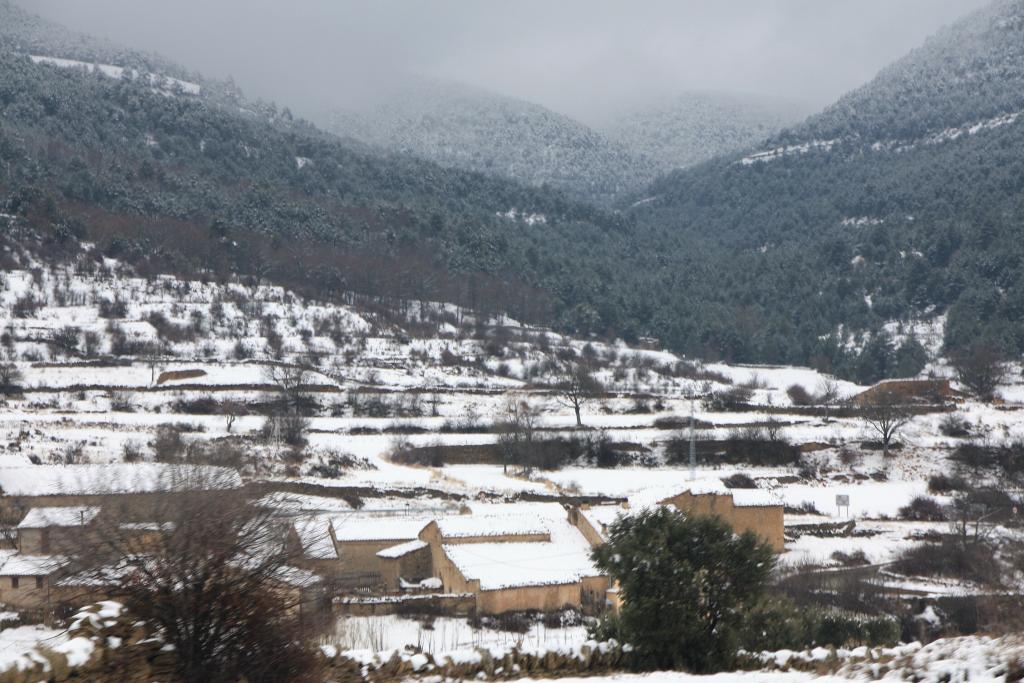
108 360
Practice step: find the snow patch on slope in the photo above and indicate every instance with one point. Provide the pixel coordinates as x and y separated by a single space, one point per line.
164 84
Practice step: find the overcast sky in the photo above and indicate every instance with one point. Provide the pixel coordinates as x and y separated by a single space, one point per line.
586 58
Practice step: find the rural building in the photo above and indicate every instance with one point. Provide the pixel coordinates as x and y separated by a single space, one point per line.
908 391
358 539
54 529
127 490
26 581
516 557
744 509
406 563
312 543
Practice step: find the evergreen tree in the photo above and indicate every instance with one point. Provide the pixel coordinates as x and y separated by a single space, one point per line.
685 582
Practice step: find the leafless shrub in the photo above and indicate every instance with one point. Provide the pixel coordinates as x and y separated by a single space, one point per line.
167 445
211 574
121 402
131 452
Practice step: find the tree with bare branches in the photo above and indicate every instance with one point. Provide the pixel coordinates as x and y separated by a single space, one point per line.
828 395
11 378
886 413
209 570
517 431
292 381
981 368
575 387
231 410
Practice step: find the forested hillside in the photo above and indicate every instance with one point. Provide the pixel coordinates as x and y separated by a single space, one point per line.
207 183
902 200
833 229
698 126
465 127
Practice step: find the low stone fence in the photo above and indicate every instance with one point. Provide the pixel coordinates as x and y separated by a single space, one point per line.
105 645
480 664
452 604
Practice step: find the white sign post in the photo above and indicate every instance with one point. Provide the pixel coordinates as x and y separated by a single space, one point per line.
843 501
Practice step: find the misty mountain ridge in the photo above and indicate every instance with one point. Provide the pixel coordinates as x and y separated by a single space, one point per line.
467 127
693 127
27 33
206 183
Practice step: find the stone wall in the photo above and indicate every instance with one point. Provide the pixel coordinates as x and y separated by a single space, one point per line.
455 604
580 521
481 664
105 645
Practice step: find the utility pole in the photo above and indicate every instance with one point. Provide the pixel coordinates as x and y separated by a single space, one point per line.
693 443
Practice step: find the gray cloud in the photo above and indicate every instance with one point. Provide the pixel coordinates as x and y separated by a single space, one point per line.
587 58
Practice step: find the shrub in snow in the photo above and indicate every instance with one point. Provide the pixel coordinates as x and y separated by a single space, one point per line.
955 425
923 509
10 378
167 445
779 624
953 558
733 398
945 483
759 447
799 396
740 481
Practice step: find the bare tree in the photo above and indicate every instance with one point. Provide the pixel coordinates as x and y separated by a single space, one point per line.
981 368
828 395
575 387
517 431
10 378
886 413
291 381
231 410
90 344
210 571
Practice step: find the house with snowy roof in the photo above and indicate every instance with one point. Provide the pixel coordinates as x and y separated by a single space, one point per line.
53 529
516 557
131 488
28 582
372 548
312 545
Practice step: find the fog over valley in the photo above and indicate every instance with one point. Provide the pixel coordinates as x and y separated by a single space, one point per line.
588 59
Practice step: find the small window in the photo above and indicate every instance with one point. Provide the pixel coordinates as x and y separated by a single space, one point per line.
14 582
39 582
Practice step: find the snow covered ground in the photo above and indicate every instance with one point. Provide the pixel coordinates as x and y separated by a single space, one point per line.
107 359
444 635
